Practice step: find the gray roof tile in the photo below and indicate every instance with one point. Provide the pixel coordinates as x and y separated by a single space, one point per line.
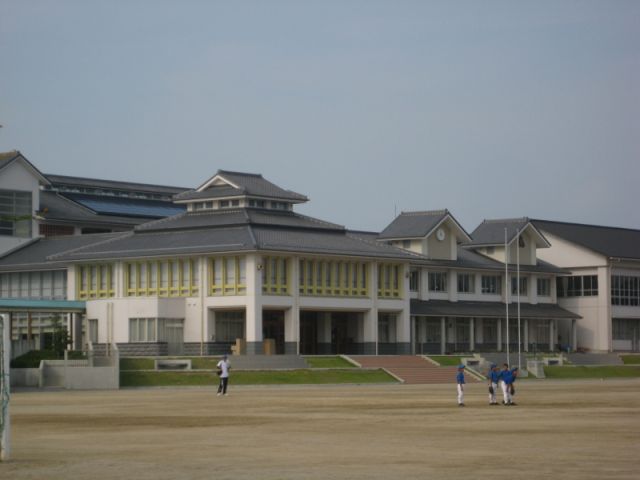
58 180
248 184
609 241
413 224
491 232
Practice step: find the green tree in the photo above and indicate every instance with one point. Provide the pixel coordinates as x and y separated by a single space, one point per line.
60 338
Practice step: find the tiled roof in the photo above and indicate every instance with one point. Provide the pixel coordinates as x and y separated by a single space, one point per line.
237 216
247 184
609 241
443 308
492 232
413 224
58 180
55 207
35 255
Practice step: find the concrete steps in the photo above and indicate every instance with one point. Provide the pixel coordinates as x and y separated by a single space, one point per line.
412 369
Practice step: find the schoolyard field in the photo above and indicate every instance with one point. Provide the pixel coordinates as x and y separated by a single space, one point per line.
576 429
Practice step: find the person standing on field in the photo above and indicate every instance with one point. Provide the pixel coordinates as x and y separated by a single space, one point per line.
460 382
506 379
223 372
493 376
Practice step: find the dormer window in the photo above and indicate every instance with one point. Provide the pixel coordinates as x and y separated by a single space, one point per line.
280 205
257 203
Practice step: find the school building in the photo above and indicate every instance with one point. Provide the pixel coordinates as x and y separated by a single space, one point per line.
232 264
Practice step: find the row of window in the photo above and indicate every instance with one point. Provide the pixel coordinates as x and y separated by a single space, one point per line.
275 275
466 283
577 286
332 278
625 290
95 281
48 285
164 278
156 330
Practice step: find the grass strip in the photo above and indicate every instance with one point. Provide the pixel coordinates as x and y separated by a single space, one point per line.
446 360
630 359
592 372
328 362
288 377
137 364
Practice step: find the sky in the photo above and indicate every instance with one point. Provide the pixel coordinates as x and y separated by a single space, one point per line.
492 109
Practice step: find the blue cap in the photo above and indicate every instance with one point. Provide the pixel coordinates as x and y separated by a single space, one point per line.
493 365
460 366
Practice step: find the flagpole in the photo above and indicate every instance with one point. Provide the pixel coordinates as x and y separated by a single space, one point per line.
507 287
518 275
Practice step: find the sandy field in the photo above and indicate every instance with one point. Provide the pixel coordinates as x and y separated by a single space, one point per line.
566 430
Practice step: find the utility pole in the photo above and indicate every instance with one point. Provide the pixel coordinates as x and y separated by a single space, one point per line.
5 387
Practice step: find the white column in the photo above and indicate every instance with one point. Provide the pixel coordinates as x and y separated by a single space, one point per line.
472 335
452 287
499 329
443 335
424 284
526 335
574 335
369 331
551 336
253 316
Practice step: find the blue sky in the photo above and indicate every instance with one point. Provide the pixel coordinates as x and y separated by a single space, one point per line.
491 109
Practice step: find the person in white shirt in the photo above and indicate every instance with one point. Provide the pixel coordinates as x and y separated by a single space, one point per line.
223 372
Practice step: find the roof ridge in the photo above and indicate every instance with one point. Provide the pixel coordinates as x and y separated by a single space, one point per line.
158 221
112 238
503 220
425 212
246 174
585 225
110 180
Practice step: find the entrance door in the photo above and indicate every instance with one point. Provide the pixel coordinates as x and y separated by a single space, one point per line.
175 337
308 333
339 333
273 328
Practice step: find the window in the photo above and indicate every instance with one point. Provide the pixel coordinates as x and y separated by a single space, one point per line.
275 278
95 281
437 281
625 290
386 325
466 283
590 285
229 325
574 287
544 287
162 278
92 334
514 286
389 280
406 244
414 280
333 278
224 204
46 285
257 203
491 284
227 276
577 286
15 213
55 230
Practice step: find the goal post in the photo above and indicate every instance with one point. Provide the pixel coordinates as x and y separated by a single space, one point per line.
5 387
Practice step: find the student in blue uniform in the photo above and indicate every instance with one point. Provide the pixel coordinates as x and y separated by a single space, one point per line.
460 382
506 379
493 376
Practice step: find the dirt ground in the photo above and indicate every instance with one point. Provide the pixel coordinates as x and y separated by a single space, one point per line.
571 430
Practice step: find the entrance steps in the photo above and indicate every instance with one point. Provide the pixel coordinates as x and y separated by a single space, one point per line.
411 369
267 362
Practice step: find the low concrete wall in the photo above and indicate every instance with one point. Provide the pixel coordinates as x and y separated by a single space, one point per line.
25 377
